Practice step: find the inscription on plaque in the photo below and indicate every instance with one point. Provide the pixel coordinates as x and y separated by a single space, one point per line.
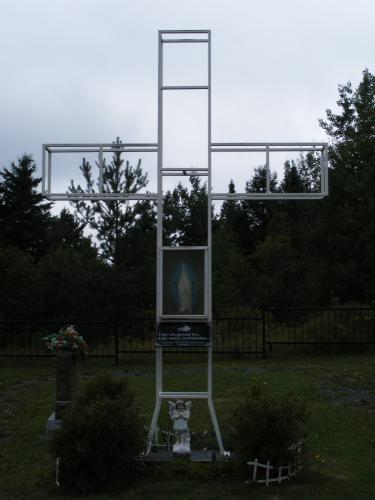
183 334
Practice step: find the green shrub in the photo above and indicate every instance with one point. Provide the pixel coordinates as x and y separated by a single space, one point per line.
267 426
100 438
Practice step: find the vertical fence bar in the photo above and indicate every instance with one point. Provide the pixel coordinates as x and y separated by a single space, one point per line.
3 340
117 332
241 324
270 331
263 333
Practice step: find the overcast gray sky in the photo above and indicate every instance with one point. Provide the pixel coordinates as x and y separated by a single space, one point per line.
86 70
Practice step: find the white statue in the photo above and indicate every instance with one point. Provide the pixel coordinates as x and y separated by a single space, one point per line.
185 292
180 414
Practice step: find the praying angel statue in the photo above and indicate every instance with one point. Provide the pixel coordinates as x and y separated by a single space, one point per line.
180 414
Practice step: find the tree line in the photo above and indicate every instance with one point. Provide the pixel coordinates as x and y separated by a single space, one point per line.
97 260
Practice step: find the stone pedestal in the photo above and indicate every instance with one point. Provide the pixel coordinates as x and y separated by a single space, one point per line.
65 381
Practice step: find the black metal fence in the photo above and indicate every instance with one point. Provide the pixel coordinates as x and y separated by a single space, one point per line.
231 335
320 327
129 336
25 338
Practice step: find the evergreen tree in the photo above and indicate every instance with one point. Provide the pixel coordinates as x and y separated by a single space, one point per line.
303 175
65 231
256 214
231 213
292 182
111 220
17 275
138 263
349 228
309 171
260 212
185 214
290 268
232 275
24 215
73 284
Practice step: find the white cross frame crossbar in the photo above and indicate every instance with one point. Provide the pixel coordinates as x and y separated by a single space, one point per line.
50 150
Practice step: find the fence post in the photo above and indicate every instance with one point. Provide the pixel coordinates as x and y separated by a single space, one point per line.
3 340
117 328
263 333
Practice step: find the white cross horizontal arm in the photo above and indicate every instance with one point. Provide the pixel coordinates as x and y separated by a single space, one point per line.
49 150
275 147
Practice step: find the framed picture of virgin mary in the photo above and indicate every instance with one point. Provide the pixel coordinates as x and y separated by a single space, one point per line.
183 281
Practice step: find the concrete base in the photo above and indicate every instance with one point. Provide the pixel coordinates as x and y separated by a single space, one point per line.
53 424
181 450
195 456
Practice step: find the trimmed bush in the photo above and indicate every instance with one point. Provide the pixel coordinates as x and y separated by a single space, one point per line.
267 426
100 438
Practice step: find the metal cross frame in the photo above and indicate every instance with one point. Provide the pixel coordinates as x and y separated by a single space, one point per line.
183 37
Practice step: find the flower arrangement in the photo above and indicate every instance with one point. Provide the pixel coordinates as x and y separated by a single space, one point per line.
66 340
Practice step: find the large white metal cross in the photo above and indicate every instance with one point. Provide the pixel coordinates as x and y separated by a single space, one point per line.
184 293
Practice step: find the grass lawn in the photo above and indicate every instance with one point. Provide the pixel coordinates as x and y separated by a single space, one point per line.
339 391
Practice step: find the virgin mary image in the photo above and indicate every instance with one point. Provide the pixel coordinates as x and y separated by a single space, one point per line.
184 288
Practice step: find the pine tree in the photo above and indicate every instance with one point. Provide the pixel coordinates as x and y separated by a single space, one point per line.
230 209
185 214
292 182
256 215
24 215
66 232
111 220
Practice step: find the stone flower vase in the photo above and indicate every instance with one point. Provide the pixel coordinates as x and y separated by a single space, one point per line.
66 381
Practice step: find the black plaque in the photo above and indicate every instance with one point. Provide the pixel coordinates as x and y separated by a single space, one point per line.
183 334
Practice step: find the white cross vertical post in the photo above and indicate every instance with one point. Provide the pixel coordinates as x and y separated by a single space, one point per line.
163 315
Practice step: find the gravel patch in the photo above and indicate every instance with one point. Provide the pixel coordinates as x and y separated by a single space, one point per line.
344 395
